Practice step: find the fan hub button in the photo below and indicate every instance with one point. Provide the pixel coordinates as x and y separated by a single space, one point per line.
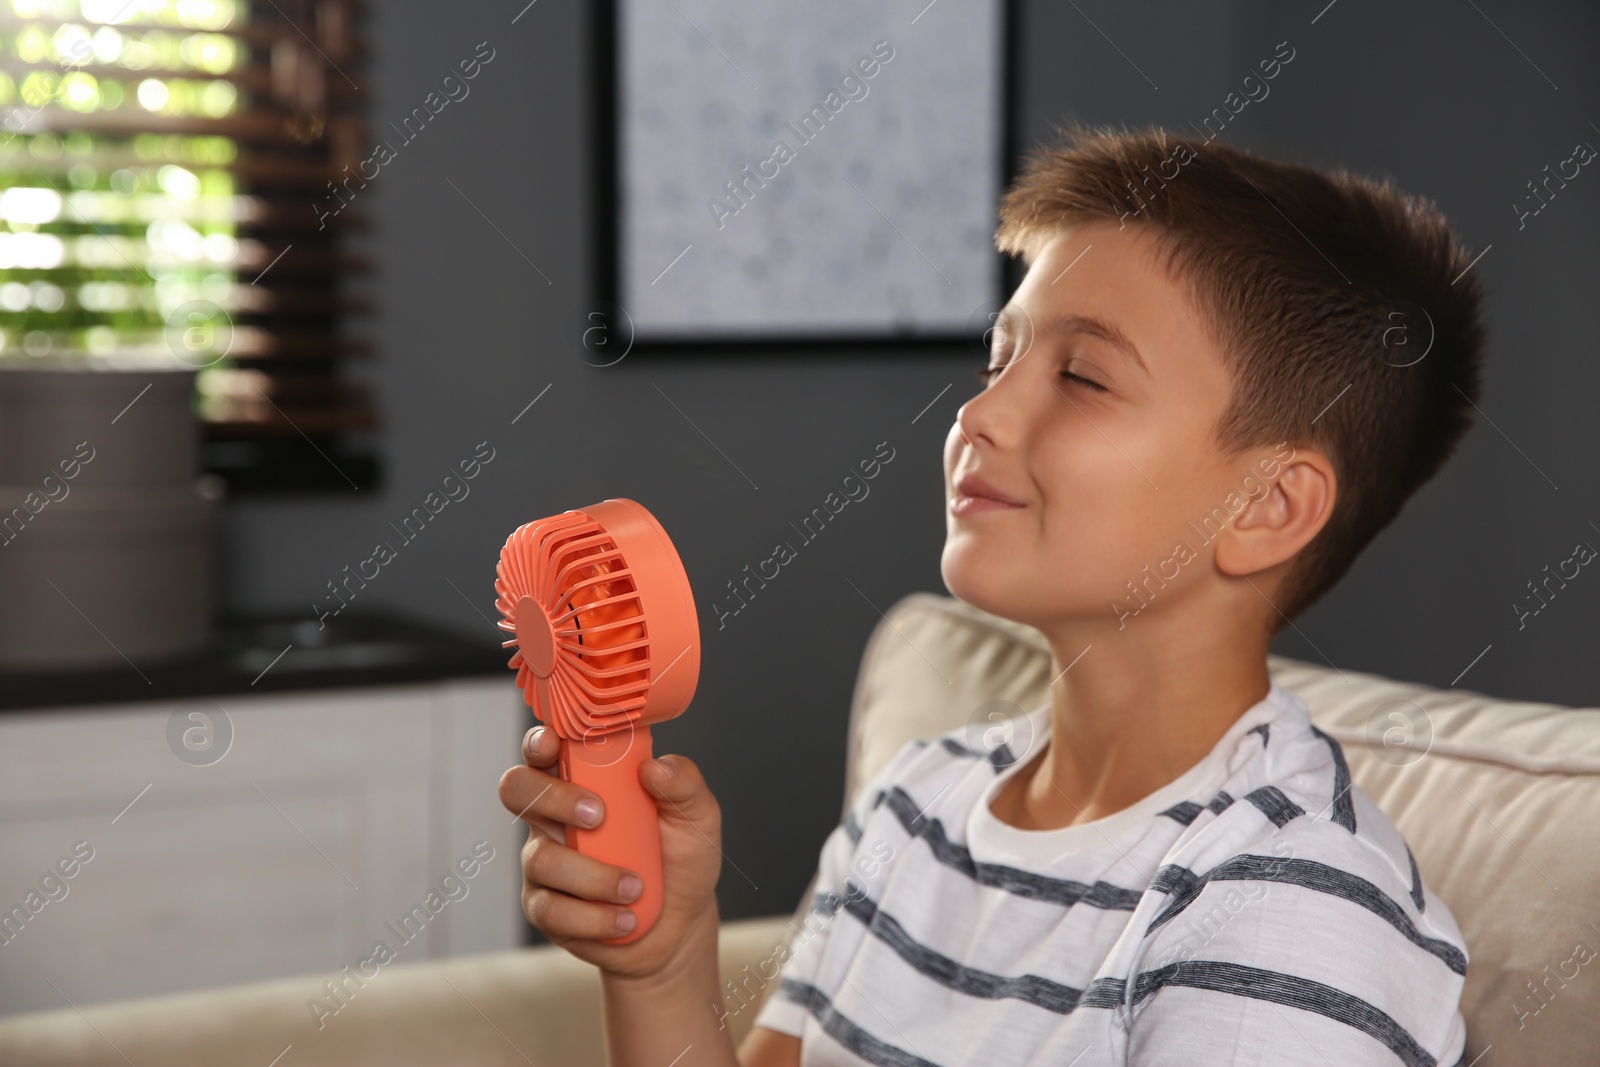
536 638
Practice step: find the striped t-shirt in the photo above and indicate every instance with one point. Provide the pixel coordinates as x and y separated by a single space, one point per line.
1257 910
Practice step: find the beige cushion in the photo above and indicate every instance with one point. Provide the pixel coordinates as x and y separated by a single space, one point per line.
501 1009
1501 811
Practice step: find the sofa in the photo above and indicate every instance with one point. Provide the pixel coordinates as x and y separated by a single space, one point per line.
1499 799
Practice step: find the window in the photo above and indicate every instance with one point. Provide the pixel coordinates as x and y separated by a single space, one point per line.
164 171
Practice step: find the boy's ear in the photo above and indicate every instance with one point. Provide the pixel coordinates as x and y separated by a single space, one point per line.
1272 529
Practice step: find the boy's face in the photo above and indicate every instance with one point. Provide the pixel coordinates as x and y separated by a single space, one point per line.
1103 482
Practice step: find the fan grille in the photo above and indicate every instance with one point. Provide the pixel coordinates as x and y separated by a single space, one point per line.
583 657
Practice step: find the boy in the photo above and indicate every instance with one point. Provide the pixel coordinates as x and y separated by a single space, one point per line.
1221 377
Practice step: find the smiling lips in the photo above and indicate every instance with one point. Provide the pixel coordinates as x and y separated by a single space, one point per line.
974 495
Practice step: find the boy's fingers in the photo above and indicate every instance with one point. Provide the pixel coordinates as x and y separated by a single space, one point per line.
540 747
528 793
547 862
558 915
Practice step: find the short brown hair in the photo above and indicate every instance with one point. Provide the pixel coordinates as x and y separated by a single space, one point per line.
1311 283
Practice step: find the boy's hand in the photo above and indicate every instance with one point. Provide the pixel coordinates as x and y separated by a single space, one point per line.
575 900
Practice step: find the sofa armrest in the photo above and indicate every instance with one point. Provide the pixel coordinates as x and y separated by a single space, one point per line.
511 1008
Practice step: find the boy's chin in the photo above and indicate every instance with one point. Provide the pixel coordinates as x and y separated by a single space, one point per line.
1013 596
986 592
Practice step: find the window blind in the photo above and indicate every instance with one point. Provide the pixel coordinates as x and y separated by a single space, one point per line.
162 163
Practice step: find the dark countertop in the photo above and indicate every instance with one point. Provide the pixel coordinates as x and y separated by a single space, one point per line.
357 650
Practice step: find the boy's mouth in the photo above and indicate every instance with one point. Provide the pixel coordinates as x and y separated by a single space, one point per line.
973 495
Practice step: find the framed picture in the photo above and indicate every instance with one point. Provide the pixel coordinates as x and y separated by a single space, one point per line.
801 173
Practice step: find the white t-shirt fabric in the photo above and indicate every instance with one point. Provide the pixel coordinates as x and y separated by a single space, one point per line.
1257 910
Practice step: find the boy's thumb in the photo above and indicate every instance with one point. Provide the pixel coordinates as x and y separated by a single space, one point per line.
677 780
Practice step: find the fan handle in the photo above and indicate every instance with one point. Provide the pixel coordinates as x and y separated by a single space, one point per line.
629 834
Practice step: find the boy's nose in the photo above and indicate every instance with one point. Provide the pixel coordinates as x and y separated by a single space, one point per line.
989 416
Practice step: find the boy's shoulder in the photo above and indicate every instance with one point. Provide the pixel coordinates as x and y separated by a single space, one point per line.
1307 885
1305 893
1304 912
1298 806
1328 865
928 768
1322 799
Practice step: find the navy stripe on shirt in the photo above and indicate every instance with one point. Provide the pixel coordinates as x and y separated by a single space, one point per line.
1014 880
845 1031
1309 874
1344 811
1187 811
1290 991
1274 804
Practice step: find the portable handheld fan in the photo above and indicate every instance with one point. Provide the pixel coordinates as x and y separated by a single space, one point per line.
607 643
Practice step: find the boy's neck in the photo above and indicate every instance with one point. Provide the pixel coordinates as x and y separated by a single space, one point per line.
1132 714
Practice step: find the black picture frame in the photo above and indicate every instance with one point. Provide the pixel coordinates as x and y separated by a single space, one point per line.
603 305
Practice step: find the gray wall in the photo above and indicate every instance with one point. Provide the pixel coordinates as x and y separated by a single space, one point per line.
470 333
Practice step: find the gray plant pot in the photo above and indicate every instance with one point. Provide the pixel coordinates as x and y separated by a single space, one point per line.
46 409
106 576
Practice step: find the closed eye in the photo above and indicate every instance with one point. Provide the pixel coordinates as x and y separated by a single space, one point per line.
1096 386
986 373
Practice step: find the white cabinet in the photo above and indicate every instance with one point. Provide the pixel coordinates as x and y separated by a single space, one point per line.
326 823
